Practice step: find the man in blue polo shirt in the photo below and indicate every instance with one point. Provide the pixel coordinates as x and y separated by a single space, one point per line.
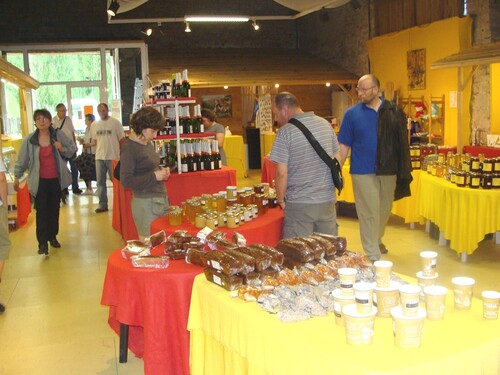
375 131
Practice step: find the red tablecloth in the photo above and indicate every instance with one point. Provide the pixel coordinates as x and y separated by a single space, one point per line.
488 152
268 171
265 229
179 188
155 304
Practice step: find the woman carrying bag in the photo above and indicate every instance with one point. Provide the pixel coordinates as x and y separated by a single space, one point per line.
41 154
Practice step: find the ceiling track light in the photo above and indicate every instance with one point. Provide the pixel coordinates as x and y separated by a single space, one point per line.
113 8
187 29
255 25
147 30
216 19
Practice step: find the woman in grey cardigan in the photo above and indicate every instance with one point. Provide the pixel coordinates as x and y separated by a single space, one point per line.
41 154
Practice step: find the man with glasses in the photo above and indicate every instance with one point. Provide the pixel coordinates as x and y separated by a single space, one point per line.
375 131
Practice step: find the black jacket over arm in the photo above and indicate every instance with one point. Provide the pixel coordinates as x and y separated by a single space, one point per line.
393 151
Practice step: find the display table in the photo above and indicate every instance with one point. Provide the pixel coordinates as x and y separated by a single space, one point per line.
405 208
266 144
265 229
155 305
231 336
463 215
488 152
179 188
234 148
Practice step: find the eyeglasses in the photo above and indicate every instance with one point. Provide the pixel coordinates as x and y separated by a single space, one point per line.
363 90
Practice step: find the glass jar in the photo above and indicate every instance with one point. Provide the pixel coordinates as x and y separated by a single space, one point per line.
497 164
466 166
460 178
258 188
255 211
200 221
475 164
220 202
239 194
212 221
487 181
474 180
488 165
272 201
174 216
440 170
261 201
248 214
231 192
222 220
496 180
233 220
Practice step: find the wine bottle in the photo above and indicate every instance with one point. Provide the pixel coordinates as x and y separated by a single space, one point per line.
186 87
184 165
173 88
178 86
216 155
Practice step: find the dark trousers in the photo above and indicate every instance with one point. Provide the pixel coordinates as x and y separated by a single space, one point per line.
74 174
47 209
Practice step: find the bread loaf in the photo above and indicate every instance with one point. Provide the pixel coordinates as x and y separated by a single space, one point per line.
223 262
276 256
227 282
262 259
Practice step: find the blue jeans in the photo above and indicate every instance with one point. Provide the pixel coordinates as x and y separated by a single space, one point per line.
102 167
74 174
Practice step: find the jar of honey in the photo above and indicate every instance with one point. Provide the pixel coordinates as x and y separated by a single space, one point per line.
221 203
212 221
258 188
487 180
496 180
174 216
231 192
466 166
200 221
497 164
261 201
222 220
272 201
233 220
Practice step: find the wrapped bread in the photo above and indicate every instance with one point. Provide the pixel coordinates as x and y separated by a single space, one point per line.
295 249
223 262
221 244
247 261
339 243
157 238
196 257
176 253
261 258
328 246
288 277
276 256
135 247
314 245
227 282
251 279
239 239
179 236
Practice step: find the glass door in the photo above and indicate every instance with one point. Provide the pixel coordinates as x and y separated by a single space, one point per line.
82 99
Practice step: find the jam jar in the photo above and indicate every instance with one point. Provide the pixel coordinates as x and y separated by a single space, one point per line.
475 164
487 181
474 180
460 178
488 166
174 216
496 180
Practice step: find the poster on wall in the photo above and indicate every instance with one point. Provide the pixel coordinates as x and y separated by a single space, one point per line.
416 69
221 104
264 119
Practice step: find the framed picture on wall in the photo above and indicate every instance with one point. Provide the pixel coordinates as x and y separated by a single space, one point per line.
221 104
416 69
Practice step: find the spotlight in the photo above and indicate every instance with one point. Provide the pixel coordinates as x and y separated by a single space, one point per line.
113 8
277 85
226 87
187 30
327 84
147 31
255 25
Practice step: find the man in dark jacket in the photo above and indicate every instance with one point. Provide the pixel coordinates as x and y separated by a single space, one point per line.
375 131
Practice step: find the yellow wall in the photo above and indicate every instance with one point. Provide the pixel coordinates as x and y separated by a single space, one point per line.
495 99
388 55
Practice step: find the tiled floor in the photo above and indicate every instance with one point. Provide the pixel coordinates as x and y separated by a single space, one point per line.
54 323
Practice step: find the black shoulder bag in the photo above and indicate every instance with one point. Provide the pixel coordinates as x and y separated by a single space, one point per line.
333 163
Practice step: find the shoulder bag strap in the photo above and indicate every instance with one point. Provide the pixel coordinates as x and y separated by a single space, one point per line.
332 163
60 127
313 141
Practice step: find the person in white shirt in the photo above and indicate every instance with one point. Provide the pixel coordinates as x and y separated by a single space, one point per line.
107 136
64 123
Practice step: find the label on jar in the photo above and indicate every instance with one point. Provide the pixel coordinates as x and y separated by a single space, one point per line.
487 167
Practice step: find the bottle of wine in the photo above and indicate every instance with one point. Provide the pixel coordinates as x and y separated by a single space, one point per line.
184 161
173 88
186 87
197 154
178 85
216 155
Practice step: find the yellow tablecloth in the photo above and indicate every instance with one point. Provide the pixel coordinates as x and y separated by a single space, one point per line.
405 208
464 215
230 336
266 143
235 154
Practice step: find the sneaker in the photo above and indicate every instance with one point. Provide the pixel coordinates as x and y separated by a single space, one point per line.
101 209
77 191
88 192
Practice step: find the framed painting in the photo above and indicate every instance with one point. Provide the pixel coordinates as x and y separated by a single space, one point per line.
221 104
416 69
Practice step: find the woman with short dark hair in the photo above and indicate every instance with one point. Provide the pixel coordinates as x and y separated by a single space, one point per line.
140 170
212 126
41 154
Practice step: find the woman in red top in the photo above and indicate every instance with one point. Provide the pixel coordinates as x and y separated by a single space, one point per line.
41 154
